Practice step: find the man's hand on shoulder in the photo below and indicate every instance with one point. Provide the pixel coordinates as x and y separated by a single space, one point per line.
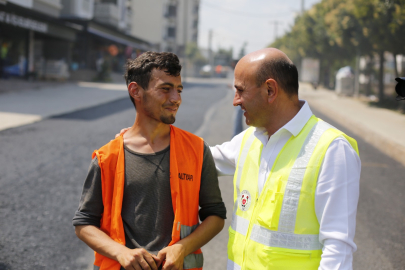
173 257
138 259
122 131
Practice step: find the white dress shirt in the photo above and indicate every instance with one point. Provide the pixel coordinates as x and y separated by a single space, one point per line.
337 189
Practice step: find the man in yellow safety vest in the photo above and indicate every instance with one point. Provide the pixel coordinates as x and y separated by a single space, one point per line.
296 177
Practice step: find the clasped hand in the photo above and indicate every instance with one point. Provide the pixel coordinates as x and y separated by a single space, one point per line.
171 258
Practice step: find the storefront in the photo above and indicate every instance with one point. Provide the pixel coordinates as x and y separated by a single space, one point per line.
34 44
99 43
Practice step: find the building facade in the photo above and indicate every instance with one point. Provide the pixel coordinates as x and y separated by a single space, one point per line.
105 41
56 38
30 34
168 24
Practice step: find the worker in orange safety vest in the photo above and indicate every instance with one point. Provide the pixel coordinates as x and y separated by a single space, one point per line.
147 189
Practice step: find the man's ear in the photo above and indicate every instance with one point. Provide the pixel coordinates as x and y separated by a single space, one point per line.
134 90
272 90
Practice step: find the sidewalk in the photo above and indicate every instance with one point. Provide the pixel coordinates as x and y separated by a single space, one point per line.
383 128
26 106
380 127
23 102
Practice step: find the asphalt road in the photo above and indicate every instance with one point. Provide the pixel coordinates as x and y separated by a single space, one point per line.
43 165
380 230
42 170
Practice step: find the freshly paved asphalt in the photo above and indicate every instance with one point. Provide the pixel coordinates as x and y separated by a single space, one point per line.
42 169
43 165
380 236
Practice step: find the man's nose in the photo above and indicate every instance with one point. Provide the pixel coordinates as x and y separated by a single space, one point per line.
175 97
236 99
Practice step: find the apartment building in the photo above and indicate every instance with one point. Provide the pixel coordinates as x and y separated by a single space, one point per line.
45 38
168 24
30 34
106 32
77 34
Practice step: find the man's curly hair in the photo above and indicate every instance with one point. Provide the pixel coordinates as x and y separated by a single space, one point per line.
139 70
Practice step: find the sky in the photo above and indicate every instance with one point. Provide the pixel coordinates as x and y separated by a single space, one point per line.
234 22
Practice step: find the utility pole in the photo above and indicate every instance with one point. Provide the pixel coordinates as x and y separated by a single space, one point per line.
185 25
243 50
210 62
276 24
302 6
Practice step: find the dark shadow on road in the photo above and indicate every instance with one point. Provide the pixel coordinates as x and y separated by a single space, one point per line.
389 103
5 266
99 111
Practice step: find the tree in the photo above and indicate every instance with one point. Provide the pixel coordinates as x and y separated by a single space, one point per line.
383 25
338 31
193 53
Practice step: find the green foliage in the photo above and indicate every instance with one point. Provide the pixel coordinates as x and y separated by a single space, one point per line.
193 53
335 31
223 57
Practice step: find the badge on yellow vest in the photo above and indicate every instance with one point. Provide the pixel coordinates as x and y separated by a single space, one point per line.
244 200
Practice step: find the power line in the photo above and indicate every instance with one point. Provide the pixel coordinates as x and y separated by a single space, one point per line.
244 13
235 38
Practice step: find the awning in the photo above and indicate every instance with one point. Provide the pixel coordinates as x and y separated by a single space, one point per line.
32 20
116 36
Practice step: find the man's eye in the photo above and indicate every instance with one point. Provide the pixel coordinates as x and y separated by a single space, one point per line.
166 88
179 91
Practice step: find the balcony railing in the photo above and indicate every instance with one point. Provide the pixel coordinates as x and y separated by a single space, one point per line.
107 13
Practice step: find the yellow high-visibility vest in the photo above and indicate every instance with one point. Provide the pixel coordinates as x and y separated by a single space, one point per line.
278 229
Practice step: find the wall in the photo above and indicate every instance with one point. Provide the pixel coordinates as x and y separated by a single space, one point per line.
147 20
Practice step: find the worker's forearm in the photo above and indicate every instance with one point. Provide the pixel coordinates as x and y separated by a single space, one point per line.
99 241
210 227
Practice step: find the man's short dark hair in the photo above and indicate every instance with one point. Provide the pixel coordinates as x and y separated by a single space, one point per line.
139 70
282 71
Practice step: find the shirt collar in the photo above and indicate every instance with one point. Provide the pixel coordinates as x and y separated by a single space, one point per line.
295 125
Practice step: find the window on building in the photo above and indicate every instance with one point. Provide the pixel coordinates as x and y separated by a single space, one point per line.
196 9
195 24
171 32
171 11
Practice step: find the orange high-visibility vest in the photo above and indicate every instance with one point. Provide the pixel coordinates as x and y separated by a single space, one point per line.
186 158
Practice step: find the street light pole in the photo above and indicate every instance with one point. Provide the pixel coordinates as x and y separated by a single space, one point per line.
185 25
210 62
276 24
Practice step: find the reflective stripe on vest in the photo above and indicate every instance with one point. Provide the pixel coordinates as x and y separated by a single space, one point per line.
293 189
272 233
186 157
240 224
231 265
285 240
193 260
